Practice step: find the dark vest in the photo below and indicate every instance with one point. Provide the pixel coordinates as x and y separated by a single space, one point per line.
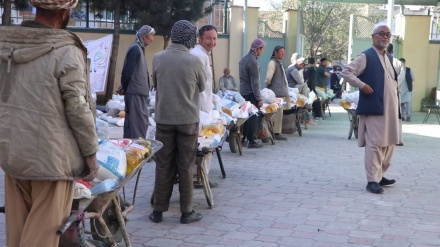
289 76
278 83
374 76
408 79
139 82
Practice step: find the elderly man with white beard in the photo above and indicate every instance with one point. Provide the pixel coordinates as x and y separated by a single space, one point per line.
378 109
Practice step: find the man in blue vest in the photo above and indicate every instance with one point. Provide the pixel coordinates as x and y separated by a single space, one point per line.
407 87
378 108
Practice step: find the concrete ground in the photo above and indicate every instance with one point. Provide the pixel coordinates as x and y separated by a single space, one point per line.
308 191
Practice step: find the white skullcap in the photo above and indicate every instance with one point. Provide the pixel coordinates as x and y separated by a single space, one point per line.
379 25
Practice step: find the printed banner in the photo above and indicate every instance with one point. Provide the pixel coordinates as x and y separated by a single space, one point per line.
99 51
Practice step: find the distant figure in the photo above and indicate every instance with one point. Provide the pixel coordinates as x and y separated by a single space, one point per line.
136 84
227 81
249 70
277 82
406 96
378 108
322 78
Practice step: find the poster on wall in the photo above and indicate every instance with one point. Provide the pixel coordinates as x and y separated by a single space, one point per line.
99 51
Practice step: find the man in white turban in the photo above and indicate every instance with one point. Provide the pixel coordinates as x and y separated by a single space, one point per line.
47 132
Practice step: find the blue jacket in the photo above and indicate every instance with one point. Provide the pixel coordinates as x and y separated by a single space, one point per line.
374 76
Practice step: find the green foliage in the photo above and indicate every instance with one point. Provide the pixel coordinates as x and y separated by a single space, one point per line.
326 25
162 14
19 4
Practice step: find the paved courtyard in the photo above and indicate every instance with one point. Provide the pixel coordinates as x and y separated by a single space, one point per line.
308 191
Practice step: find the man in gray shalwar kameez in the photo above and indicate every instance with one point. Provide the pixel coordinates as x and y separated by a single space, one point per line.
378 109
135 84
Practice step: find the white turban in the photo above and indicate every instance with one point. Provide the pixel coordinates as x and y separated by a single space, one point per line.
300 60
55 4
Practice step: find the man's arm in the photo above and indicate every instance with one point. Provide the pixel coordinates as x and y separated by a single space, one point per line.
351 72
74 89
296 74
255 79
201 76
131 60
270 72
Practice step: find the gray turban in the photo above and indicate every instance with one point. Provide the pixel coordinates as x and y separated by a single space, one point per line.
54 4
145 30
185 33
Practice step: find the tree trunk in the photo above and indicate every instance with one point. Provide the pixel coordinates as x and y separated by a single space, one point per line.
6 17
114 55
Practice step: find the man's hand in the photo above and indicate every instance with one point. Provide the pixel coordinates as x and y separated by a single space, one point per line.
367 89
92 164
260 103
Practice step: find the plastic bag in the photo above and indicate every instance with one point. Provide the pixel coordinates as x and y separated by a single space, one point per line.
102 129
81 191
104 186
268 96
112 161
205 118
263 131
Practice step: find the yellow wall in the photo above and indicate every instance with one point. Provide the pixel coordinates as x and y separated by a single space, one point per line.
419 57
291 30
235 40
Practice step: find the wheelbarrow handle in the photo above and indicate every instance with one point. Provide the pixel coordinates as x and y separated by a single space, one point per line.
74 217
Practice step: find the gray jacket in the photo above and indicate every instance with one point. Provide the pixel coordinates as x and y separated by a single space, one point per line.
249 71
178 78
135 78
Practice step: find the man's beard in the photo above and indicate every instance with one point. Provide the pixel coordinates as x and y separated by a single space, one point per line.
381 44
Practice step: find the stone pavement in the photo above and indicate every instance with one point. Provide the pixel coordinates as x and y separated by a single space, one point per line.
308 191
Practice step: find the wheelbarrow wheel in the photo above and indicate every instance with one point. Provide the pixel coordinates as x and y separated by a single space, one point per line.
233 145
207 189
111 220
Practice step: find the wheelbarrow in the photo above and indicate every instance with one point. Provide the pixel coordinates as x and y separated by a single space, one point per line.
107 213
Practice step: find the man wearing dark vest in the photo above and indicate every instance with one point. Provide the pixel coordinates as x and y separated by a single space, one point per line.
407 87
136 86
378 108
277 82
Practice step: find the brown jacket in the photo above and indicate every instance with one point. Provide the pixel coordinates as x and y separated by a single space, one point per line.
47 122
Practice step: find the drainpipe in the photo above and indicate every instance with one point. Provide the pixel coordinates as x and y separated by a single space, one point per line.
245 17
390 15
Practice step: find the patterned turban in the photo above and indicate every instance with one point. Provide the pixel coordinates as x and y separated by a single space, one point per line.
55 4
185 33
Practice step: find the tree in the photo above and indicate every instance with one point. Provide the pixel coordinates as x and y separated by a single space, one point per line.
7 9
326 25
162 14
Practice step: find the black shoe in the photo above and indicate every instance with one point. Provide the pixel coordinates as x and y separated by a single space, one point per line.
374 187
399 144
254 145
408 119
190 218
386 182
156 217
